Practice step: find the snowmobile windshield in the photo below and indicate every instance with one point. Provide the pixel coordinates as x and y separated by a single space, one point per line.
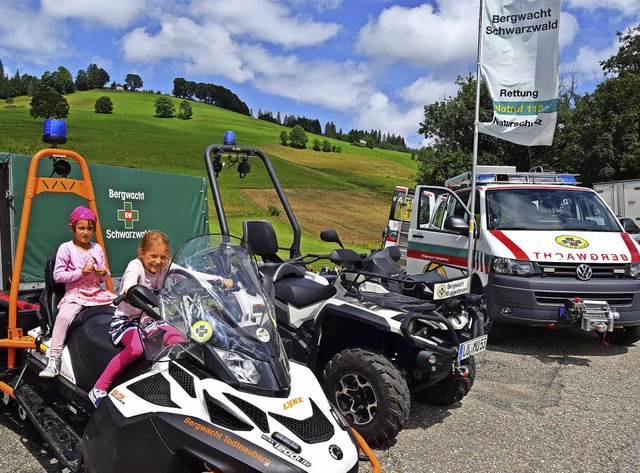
212 293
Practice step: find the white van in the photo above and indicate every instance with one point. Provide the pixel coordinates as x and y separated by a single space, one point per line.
541 240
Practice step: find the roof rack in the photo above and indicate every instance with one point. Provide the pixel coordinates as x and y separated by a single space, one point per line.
508 175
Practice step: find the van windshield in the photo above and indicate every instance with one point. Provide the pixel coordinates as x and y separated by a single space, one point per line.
548 209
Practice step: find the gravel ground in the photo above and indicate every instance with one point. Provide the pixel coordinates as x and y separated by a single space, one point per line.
543 401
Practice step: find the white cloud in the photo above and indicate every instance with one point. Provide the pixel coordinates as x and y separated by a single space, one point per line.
30 36
569 27
422 36
196 49
114 13
626 7
380 113
586 64
428 90
328 84
269 21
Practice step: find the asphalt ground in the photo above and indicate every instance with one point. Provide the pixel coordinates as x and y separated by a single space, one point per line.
543 401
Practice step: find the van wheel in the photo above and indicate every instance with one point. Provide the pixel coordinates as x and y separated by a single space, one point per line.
623 336
452 389
370 392
496 331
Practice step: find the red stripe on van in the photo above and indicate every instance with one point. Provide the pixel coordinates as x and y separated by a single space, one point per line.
515 249
633 249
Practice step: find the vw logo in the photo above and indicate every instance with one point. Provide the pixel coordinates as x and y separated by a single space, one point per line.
335 452
584 272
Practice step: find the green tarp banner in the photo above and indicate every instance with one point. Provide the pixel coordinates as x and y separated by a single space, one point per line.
129 202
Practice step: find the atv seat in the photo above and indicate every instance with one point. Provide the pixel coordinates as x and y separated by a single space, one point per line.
292 287
261 239
289 282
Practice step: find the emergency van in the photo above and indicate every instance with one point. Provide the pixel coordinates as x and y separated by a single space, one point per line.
540 240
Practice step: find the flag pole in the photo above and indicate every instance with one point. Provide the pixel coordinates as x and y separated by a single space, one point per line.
472 201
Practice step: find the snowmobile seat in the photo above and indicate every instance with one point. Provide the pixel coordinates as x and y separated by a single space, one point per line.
51 295
90 345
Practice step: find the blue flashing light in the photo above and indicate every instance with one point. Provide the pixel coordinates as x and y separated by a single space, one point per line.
229 138
484 178
54 132
568 179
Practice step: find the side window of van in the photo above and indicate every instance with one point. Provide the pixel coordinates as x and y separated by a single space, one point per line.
445 205
424 210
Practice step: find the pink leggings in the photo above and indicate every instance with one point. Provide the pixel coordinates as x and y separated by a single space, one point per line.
133 349
66 314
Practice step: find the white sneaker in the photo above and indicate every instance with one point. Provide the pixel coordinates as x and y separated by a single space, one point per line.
52 369
96 395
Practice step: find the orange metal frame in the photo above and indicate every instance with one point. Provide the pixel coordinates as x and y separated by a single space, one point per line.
38 185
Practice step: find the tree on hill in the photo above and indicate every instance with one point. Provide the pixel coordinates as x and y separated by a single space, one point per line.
97 76
104 105
49 104
133 81
298 138
82 80
186 112
284 138
93 78
165 107
61 80
2 76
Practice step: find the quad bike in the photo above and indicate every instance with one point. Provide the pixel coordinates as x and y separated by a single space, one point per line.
372 336
226 399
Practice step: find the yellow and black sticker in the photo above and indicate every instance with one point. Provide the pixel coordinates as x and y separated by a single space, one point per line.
201 331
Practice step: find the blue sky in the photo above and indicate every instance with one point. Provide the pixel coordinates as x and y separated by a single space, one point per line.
361 64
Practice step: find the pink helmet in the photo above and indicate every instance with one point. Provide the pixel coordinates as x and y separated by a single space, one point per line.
82 213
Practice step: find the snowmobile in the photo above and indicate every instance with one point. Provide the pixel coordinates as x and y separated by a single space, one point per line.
373 336
226 399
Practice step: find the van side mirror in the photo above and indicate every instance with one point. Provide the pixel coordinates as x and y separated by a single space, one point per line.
456 224
629 225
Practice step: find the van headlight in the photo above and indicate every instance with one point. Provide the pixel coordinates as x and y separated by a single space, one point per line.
634 270
512 267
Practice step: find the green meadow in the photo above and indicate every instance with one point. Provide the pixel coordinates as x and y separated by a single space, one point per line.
349 191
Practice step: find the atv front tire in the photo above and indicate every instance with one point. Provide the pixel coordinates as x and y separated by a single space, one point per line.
452 389
370 392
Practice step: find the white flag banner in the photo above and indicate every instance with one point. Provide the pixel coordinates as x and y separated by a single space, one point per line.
520 66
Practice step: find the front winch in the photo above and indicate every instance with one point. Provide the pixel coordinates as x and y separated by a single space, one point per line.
591 315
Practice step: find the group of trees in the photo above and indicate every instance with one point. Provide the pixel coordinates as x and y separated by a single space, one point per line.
369 139
209 93
165 108
48 91
297 138
597 134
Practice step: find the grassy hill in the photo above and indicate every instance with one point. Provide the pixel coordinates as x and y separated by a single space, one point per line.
349 191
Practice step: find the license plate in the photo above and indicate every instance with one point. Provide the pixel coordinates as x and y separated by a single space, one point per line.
472 347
